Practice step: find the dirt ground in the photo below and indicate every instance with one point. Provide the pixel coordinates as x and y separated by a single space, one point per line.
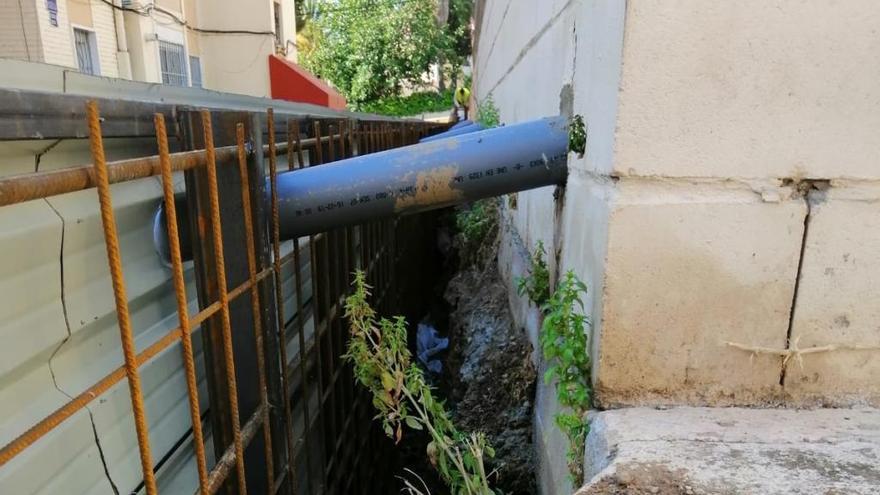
645 479
489 376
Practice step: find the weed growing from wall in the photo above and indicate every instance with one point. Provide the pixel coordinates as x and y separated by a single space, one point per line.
577 135
537 284
487 113
383 364
565 345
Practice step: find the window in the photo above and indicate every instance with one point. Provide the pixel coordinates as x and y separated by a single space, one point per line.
173 63
86 51
278 41
195 72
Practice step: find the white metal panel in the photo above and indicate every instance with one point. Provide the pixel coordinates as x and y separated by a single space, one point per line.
34 331
65 461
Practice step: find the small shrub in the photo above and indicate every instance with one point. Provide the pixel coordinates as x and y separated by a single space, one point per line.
383 364
477 229
487 113
537 284
414 104
565 345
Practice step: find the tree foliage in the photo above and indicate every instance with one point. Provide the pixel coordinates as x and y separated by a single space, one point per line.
369 48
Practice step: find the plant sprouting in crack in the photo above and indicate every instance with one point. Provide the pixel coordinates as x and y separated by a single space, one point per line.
565 344
383 364
577 135
537 284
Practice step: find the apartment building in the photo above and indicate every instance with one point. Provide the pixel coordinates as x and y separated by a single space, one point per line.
222 45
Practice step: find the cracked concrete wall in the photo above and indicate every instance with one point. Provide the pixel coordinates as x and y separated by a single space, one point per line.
728 193
63 337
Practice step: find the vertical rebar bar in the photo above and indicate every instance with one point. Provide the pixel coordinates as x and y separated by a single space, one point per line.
114 258
254 290
279 298
189 365
223 297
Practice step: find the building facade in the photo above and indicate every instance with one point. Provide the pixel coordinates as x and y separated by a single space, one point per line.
222 45
725 213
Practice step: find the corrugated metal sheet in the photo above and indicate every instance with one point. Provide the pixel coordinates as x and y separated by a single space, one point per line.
59 332
58 325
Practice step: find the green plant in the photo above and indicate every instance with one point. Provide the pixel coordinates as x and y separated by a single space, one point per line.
537 284
383 364
487 112
476 222
416 103
478 228
577 135
370 49
565 344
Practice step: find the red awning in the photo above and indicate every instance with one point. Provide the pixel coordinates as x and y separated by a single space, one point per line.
293 83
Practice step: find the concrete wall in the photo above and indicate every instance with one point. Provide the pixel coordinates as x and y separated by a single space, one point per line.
728 193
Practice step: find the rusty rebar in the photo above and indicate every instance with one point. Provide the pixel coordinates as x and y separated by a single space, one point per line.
189 365
25 187
223 297
114 259
224 464
279 299
255 292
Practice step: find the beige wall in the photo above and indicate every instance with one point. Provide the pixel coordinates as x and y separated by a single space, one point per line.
19 31
686 215
57 40
236 63
27 34
80 12
105 32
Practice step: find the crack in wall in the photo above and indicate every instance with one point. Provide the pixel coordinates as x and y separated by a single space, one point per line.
39 156
69 334
531 44
804 188
498 31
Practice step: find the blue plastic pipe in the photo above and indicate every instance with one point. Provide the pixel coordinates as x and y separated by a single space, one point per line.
461 124
454 132
411 179
423 177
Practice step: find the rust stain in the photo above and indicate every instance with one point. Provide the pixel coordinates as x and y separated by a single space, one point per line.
433 187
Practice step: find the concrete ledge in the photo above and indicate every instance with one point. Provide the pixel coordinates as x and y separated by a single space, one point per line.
734 450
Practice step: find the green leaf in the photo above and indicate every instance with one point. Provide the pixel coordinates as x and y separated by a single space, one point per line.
413 423
388 381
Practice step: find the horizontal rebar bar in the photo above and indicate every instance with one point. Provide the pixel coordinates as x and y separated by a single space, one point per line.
25 187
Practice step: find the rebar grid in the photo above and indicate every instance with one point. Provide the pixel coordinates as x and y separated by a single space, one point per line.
340 405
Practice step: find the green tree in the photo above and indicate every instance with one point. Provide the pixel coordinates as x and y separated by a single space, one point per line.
369 48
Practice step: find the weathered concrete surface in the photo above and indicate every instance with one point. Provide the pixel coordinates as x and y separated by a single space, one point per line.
750 88
837 303
734 451
688 268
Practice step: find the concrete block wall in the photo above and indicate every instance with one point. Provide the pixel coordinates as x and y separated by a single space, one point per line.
728 193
